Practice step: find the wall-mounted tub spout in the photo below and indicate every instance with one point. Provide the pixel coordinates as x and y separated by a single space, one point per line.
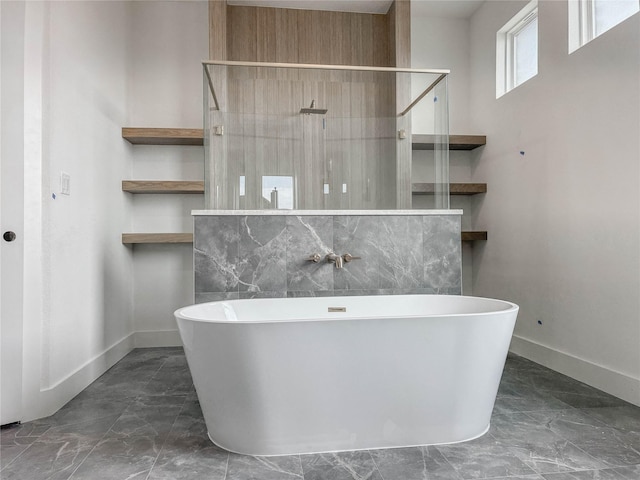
333 258
312 110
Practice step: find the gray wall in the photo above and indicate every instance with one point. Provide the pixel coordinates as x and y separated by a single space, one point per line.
240 256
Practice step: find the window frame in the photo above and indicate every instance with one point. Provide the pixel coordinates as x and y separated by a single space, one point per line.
587 20
512 49
583 22
506 48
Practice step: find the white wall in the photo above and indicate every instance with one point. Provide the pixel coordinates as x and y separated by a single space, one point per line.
89 283
169 41
564 218
78 300
443 43
92 68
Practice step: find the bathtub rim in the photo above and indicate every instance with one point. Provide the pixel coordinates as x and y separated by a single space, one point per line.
178 314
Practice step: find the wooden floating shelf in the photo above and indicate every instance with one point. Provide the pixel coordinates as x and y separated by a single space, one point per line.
137 238
473 236
197 186
195 136
164 136
454 188
456 142
163 186
133 238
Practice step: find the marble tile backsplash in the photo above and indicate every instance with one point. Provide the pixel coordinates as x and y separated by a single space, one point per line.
258 256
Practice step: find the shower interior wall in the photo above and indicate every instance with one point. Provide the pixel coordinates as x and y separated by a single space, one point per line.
265 135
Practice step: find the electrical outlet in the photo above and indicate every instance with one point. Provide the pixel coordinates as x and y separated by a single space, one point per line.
65 183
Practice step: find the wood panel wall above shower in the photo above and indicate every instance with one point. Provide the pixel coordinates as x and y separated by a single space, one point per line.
258 34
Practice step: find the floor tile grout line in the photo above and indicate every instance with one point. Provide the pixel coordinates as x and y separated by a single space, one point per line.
571 442
300 463
585 411
599 424
160 450
86 420
375 464
226 467
94 447
563 438
151 377
17 456
447 460
302 467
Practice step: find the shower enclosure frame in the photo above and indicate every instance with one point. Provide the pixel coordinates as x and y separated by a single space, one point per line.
216 101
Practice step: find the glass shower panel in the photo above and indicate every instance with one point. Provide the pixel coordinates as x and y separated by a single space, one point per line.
430 166
292 137
441 145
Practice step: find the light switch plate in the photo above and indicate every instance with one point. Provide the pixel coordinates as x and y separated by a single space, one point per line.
65 183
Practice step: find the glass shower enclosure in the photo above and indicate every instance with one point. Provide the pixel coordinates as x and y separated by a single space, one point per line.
320 137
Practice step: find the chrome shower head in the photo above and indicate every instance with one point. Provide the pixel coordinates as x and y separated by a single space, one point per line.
312 110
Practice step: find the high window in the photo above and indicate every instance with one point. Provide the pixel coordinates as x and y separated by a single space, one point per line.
591 18
517 50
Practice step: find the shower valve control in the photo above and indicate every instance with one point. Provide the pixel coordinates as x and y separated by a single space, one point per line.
315 258
347 257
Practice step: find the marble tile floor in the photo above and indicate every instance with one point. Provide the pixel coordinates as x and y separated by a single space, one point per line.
141 421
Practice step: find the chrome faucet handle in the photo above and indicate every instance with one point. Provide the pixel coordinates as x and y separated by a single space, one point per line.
347 257
315 258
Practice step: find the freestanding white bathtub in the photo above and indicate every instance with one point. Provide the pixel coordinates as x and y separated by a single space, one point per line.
302 375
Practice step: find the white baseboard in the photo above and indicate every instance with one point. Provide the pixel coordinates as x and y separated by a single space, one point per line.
158 338
615 383
55 396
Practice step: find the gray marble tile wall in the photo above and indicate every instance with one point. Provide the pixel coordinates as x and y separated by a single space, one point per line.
252 256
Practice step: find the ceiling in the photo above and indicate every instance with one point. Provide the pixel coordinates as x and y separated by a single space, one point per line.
445 8
435 8
362 6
